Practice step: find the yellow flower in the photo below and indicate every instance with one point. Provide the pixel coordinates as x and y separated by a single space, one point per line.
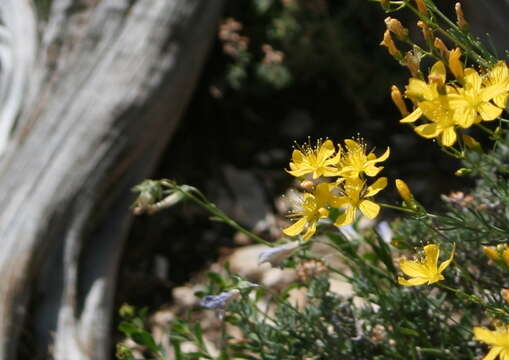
443 121
425 271
498 340
355 160
473 101
320 160
418 90
354 195
311 208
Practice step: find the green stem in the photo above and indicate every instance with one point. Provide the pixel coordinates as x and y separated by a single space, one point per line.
399 208
217 213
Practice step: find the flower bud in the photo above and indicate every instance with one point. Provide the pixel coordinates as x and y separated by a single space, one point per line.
426 32
462 172
395 26
505 295
389 43
460 17
491 252
442 48
421 6
404 191
412 62
472 143
385 4
397 98
505 256
307 185
455 64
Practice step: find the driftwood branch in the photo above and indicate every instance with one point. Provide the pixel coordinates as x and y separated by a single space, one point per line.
115 78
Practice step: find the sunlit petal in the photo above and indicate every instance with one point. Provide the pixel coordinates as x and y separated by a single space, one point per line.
412 281
428 131
347 217
296 228
413 268
488 111
376 187
369 209
447 262
412 117
448 137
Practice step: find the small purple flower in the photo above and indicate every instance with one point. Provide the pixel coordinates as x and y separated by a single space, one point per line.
220 301
275 256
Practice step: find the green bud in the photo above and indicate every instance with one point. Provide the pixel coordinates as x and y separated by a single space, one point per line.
462 172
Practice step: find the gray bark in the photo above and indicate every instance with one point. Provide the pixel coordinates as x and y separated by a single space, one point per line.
111 82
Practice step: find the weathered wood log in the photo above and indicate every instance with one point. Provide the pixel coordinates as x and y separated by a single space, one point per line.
113 79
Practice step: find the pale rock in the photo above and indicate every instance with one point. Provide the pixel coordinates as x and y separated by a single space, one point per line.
244 262
183 296
298 298
278 279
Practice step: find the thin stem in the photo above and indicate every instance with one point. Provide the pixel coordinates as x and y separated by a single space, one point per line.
217 212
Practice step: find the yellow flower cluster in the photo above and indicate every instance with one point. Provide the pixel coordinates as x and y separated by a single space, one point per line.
351 165
471 98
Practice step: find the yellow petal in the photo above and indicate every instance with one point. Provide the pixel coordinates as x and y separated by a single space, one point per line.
296 228
446 263
412 282
337 201
437 73
310 231
376 187
369 209
385 155
297 156
428 131
501 100
322 192
431 253
300 171
412 117
372 170
326 150
347 217
418 90
448 137
413 268
485 335
352 145
472 80
504 353
488 111
494 352
490 92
